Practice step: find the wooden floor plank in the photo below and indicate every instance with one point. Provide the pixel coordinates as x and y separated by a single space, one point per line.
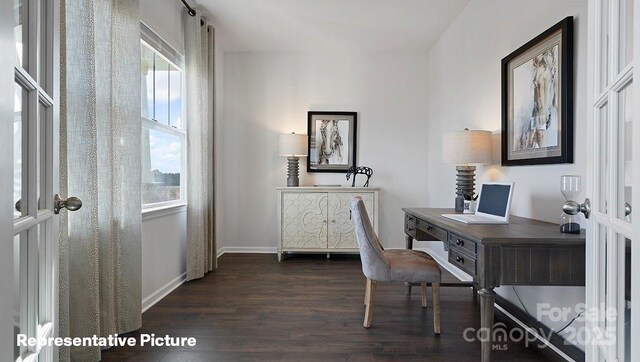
308 308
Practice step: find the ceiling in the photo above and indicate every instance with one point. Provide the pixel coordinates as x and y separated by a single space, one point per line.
312 25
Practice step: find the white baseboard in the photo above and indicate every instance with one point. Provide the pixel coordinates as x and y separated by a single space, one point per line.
246 250
163 291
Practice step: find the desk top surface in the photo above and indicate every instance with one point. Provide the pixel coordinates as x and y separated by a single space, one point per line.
520 230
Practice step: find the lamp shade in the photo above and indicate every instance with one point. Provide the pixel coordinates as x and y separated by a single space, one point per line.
466 147
292 144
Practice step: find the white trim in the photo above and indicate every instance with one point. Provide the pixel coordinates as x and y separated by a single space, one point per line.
163 291
156 212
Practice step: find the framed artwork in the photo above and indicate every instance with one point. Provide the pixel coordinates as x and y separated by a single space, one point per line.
537 99
332 141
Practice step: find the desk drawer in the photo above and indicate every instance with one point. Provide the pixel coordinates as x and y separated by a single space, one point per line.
461 243
462 261
437 232
410 220
410 229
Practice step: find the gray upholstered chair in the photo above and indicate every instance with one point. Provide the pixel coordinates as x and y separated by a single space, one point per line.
380 265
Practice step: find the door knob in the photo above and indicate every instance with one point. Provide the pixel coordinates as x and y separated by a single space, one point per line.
71 204
572 208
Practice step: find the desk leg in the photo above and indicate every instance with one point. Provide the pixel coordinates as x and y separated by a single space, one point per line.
409 240
487 298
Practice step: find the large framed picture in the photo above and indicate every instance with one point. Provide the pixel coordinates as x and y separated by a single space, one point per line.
537 99
332 141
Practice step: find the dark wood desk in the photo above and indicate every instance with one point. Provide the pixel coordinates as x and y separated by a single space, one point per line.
524 252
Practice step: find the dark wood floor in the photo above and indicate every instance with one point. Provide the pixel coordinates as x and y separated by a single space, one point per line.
308 308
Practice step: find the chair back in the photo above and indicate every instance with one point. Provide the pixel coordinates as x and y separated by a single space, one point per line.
375 265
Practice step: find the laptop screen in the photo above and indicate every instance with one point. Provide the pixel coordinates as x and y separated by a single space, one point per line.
494 199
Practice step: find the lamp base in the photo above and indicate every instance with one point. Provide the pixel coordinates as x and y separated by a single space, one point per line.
465 185
292 172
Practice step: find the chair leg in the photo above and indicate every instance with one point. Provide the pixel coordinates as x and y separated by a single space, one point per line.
424 294
371 293
366 291
436 307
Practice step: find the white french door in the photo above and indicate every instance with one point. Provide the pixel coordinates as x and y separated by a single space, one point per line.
613 182
33 168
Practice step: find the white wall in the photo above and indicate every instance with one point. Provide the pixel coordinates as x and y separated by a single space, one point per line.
464 91
165 18
267 94
163 255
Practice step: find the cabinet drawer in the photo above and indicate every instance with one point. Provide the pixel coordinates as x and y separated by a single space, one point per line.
437 232
462 244
462 261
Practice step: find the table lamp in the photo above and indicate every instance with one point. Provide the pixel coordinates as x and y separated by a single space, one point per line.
465 149
293 146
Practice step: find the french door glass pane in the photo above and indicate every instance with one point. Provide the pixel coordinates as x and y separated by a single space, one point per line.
16 294
602 282
18 11
603 166
625 154
604 45
624 299
45 120
162 90
626 32
43 40
18 127
35 265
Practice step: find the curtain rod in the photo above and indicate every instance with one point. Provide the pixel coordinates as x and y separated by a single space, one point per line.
192 12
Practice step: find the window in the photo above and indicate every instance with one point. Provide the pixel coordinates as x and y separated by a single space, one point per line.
163 134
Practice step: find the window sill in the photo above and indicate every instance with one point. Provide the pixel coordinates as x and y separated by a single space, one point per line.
156 212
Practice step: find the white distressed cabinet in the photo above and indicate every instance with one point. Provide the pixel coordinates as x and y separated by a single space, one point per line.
317 219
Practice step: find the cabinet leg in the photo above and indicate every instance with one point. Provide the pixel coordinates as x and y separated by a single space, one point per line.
487 299
279 256
328 255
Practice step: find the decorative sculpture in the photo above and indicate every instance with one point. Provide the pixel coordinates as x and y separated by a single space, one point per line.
361 170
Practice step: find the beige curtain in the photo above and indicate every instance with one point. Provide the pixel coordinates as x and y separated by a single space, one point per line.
199 58
100 244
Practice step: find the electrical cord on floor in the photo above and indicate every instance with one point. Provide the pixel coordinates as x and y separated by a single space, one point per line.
526 311
520 300
568 324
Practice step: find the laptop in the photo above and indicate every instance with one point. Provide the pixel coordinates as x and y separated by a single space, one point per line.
493 205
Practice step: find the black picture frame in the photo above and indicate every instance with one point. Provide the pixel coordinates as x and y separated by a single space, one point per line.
523 145
351 119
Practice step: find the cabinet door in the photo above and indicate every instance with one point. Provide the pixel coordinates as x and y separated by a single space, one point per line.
304 220
341 234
